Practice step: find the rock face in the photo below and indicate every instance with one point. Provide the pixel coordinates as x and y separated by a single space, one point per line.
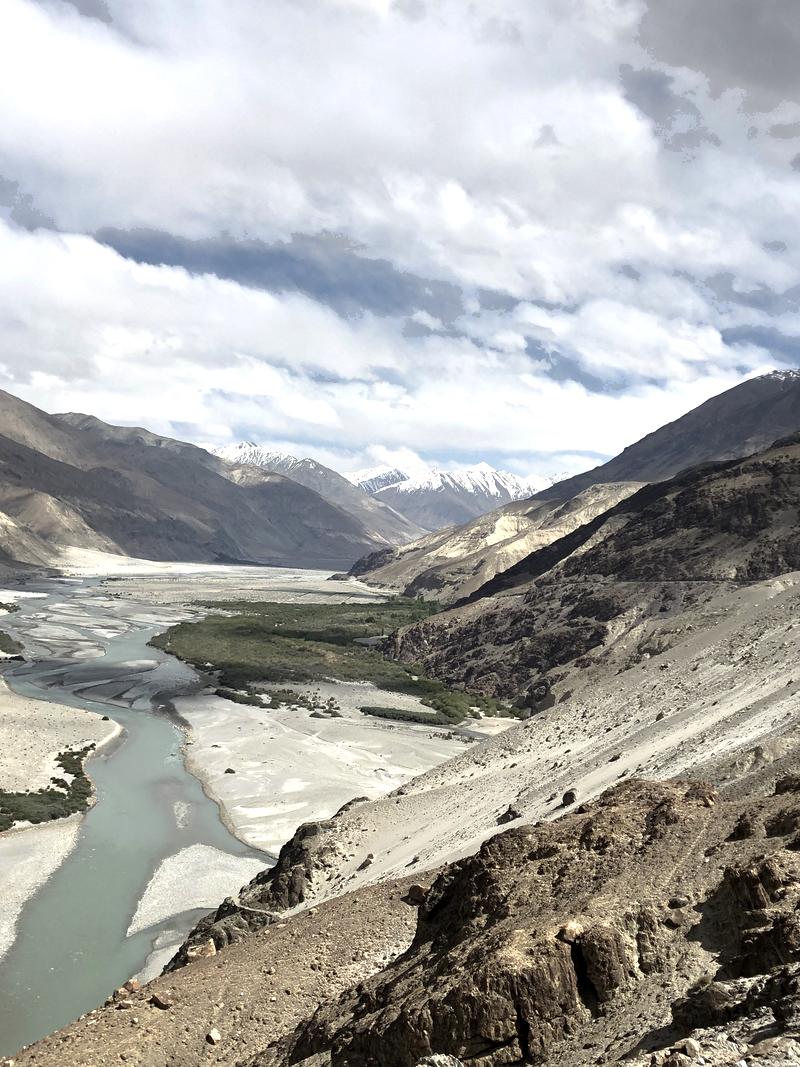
733 521
260 903
534 949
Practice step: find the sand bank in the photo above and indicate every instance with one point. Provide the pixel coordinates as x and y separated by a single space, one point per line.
196 877
27 859
33 732
272 769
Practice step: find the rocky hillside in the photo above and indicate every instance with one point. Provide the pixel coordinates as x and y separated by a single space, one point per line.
453 563
72 480
740 421
383 523
576 941
730 521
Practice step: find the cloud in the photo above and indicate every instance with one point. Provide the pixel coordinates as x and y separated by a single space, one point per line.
326 267
87 329
737 44
363 224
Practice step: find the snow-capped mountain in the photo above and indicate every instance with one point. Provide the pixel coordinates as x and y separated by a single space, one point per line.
382 521
436 498
373 479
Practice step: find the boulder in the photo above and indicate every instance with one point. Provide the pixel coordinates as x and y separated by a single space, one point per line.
201 951
416 895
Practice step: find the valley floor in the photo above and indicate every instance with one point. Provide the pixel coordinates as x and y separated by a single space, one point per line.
707 689
288 766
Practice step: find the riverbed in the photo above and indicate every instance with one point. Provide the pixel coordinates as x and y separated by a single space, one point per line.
153 854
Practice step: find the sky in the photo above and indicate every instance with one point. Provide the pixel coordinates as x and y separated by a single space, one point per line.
522 232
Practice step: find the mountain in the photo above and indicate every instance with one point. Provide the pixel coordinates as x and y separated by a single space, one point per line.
72 480
733 521
383 524
613 880
455 562
372 479
439 498
742 420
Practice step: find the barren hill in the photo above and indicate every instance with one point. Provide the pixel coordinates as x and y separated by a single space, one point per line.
73 480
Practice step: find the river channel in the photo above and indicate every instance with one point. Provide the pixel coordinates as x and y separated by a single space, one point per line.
90 650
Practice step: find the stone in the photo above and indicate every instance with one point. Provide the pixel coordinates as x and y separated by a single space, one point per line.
570 932
569 798
790 783
678 901
133 985
213 1037
230 770
440 1060
509 815
366 862
201 951
416 895
689 1047
162 1000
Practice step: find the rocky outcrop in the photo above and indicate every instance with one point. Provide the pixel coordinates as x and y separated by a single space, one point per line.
568 942
270 893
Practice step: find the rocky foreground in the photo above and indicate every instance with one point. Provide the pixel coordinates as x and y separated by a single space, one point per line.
656 925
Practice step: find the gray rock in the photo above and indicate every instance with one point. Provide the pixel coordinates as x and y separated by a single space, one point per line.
440 1060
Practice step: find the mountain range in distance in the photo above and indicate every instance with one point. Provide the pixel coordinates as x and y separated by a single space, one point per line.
455 563
427 501
436 498
71 482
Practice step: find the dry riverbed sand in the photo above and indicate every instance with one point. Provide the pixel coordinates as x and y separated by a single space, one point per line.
32 733
271 769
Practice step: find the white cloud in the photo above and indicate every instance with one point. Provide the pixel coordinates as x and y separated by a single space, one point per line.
414 130
86 329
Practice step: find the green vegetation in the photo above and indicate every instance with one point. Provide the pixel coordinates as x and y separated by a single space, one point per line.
407 715
60 799
255 643
9 645
239 697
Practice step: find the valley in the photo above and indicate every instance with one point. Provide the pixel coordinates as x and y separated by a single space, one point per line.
546 791
94 899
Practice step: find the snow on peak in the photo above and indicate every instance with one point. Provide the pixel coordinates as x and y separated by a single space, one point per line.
373 479
248 452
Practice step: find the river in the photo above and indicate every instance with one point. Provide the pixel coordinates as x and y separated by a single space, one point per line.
88 649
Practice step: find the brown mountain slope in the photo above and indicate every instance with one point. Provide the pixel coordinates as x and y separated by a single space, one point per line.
75 481
454 563
740 421
738 521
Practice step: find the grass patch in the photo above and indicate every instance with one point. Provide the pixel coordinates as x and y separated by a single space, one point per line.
253 699
58 800
9 645
407 715
306 643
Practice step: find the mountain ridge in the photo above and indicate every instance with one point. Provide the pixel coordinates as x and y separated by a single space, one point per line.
74 481
384 524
